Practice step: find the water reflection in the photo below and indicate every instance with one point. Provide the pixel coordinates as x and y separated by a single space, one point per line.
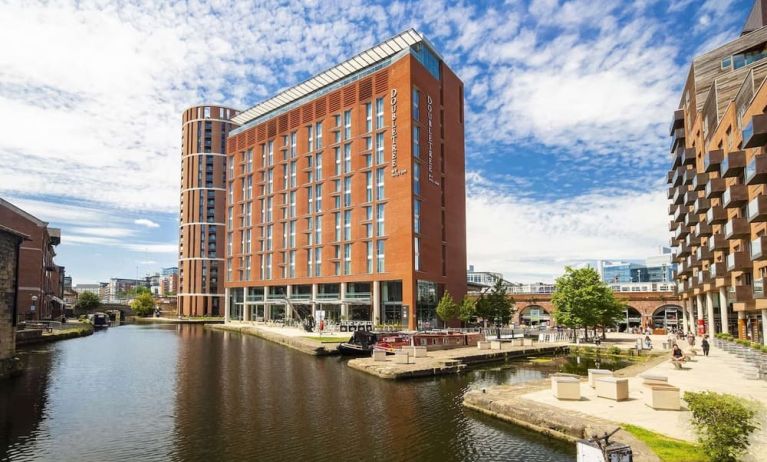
192 394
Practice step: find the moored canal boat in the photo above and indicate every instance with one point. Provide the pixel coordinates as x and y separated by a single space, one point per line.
360 344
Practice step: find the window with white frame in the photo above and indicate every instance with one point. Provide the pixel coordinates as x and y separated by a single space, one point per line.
379 113
380 231
347 259
318 135
379 148
347 225
348 125
380 183
368 117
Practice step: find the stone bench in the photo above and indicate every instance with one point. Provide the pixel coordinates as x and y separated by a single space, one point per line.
379 355
613 388
595 374
566 388
662 397
654 379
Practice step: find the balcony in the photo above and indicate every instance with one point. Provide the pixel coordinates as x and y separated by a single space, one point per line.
677 138
733 164
737 228
684 268
679 193
699 181
738 261
677 121
716 270
757 209
702 277
670 193
673 225
682 250
701 205
702 230
692 262
712 160
670 176
676 158
672 209
702 254
678 176
735 196
758 288
755 133
688 157
740 294
681 233
756 170
691 219
689 176
717 242
680 214
715 188
758 247
691 240
716 215
689 197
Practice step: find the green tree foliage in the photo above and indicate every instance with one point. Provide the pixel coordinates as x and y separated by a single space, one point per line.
468 310
495 306
583 300
723 423
87 301
143 304
447 309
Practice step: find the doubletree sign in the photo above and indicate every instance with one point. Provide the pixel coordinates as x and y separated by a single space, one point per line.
395 170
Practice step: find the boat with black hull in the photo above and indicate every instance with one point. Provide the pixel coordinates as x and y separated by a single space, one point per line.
360 344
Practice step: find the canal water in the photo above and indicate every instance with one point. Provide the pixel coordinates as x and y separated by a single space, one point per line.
186 393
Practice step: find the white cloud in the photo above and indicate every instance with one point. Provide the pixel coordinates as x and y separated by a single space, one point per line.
530 240
146 222
101 231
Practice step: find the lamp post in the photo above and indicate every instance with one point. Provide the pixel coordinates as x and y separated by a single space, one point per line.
32 308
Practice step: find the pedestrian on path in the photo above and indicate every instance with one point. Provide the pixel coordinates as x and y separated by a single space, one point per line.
704 344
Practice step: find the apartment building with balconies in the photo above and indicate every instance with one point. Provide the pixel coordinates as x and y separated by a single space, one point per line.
345 194
718 186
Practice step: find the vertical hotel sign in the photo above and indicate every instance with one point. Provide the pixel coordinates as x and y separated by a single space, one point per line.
395 170
429 115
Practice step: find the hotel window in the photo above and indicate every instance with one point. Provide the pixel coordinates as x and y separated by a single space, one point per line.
249 220
368 117
379 113
247 268
207 112
380 220
337 218
369 245
293 174
417 250
336 136
318 135
250 188
229 239
292 145
310 231
318 261
347 225
347 258
368 160
249 160
229 269
318 198
268 266
416 141
380 183
337 258
270 153
247 241
368 143
292 212
337 120
310 138
416 104
369 213
231 167
309 169
309 200
347 191
229 217
337 151
416 178
231 192
380 255
292 256
318 166
263 211
270 181
284 235
368 230
347 157
379 148
269 229
348 125
308 262
368 187
285 176
318 230
417 215
292 241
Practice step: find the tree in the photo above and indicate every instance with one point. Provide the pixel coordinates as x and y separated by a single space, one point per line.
467 311
447 309
87 301
495 306
723 423
143 304
582 299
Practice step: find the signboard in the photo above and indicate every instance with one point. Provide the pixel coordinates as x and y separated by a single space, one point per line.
701 327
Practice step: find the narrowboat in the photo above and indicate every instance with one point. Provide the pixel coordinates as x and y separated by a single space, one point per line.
360 344
99 320
431 340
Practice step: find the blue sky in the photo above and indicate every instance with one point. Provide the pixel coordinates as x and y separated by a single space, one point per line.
568 103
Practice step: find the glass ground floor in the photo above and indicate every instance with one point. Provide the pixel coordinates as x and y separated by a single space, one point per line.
376 302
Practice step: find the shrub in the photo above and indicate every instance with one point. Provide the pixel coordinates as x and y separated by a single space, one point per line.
614 350
723 423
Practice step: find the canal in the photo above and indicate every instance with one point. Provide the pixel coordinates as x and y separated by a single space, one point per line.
186 393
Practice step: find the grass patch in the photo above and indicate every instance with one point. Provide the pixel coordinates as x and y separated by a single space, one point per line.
328 339
668 449
541 360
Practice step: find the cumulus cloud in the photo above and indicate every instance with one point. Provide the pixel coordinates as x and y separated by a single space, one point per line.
146 222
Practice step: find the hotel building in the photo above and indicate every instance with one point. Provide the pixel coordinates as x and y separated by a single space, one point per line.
717 186
203 181
345 194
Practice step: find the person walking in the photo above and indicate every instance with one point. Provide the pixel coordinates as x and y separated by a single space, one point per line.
691 339
704 344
